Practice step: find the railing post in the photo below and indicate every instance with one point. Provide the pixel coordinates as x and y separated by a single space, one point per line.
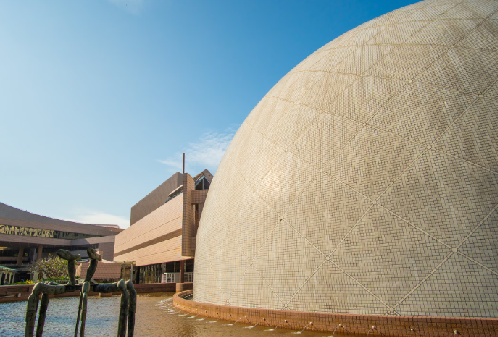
182 271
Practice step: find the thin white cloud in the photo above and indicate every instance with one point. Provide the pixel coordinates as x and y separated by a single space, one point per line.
99 218
204 154
131 6
177 165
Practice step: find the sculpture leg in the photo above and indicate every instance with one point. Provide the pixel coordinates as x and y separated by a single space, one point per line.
78 319
86 287
83 314
91 270
123 309
32 307
42 315
31 314
71 270
132 308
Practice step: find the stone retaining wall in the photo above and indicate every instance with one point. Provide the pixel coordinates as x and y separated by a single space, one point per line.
22 292
155 288
399 326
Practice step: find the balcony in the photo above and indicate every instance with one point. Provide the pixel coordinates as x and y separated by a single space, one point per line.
175 277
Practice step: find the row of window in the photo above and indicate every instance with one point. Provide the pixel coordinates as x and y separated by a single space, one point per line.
172 196
42 233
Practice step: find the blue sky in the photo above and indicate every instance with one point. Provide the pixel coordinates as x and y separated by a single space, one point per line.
99 98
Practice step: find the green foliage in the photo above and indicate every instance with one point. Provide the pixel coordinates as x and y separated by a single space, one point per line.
58 280
53 268
25 282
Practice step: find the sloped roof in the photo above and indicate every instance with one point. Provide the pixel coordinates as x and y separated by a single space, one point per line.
9 212
204 173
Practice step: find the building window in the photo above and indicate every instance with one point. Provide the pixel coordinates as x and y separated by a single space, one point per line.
202 184
42 233
175 193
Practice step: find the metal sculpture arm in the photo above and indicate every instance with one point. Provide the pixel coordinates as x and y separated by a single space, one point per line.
93 264
71 263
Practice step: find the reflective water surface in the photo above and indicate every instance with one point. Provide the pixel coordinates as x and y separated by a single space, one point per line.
156 316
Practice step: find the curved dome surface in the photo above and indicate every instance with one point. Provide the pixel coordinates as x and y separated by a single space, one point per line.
366 180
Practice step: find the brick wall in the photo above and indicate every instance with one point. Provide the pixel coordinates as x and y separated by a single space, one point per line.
156 238
188 216
155 199
163 251
198 196
105 270
401 326
106 249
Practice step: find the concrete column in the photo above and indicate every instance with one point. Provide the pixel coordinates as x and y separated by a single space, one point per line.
32 255
182 271
39 252
19 256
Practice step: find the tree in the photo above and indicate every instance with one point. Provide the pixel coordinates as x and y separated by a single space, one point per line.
53 268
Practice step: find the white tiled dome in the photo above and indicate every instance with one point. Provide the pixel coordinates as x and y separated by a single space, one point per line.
366 180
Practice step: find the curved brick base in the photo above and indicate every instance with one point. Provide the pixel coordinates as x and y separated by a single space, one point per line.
353 324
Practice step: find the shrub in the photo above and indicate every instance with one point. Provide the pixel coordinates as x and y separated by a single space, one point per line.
53 268
25 282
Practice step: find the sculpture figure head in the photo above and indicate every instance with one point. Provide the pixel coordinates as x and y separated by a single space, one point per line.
93 254
66 255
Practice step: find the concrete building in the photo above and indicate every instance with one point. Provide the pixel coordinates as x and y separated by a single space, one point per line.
163 228
366 180
27 237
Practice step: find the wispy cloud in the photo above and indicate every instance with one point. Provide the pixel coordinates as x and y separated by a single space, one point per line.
206 153
177 165
131 6
100 218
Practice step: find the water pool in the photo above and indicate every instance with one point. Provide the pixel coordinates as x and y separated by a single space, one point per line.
156 316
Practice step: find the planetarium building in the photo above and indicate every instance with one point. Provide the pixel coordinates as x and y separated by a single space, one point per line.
366 180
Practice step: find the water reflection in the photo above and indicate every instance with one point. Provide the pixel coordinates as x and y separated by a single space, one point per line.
156 316
61 317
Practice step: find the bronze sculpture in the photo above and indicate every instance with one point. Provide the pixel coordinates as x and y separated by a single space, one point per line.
128 297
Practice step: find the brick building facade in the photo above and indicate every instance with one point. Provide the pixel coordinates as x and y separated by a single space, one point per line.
163 228
26 237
